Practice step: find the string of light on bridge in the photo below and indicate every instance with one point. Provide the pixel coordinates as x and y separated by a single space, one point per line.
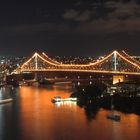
91 67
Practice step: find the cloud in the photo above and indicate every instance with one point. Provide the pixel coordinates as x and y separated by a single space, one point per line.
110 26
112 4
112 10
125 17
71 14
84 16
123 10
80 16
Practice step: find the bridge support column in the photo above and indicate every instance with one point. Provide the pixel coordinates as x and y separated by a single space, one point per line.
118 78
36 77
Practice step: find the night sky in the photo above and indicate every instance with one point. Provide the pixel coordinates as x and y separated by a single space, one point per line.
69 27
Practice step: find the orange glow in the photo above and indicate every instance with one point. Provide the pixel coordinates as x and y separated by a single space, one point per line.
39 119
38 115
118 78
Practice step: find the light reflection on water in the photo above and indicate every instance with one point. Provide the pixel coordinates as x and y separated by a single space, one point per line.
5 92
33 116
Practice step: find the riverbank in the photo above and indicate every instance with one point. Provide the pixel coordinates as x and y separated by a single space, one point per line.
95 96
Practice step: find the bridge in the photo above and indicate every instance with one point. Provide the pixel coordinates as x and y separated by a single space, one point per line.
115 63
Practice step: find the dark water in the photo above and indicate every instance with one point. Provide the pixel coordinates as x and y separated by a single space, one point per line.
32 116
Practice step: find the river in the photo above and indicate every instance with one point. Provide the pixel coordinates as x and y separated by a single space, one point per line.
32 116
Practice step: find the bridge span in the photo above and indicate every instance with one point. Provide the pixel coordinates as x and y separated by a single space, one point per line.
116 64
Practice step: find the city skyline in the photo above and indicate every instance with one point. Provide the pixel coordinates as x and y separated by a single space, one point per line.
76 27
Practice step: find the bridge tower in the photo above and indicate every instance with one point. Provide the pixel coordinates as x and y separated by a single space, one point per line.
36 66
117 78
115 60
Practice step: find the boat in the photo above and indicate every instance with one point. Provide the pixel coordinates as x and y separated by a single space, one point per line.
56 99
63 83
6 101
45 82
59 99
114 117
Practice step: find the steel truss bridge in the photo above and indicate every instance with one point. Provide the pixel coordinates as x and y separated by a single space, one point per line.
113 63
